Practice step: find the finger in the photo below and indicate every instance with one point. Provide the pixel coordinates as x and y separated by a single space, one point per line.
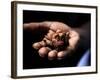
36 25
46 24
30 26
65 53
44 51
61 55
53 25
52 54
36 45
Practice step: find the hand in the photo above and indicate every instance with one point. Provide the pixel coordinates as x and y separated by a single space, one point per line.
53 28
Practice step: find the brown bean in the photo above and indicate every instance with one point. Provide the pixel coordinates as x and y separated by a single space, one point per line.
48 42
49 35
42 43
51 32
58 31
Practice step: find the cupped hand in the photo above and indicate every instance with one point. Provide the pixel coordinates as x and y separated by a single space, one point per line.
59 41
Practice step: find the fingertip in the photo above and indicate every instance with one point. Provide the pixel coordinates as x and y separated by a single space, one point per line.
26 26
31 25
52 54
43 51
61 55
36 45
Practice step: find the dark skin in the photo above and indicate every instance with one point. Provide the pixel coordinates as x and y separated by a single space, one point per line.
78 37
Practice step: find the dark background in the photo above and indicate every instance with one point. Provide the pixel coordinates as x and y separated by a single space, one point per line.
31 58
